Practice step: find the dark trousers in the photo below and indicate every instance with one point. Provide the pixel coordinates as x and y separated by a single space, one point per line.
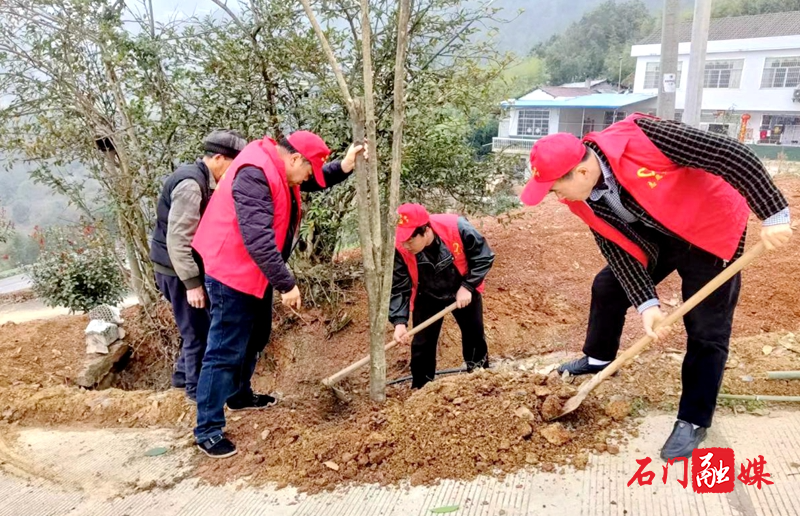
193 324
423 346
240 329
708 325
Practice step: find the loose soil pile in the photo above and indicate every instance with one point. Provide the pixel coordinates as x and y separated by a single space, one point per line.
536 303
458 427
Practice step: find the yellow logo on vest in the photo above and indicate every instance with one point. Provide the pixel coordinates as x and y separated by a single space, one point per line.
456 248
645 173
535 172
403 220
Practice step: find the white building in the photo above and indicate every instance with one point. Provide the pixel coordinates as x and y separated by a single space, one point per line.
575 108
752 70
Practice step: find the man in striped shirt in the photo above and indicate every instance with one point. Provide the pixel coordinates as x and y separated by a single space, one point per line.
660 196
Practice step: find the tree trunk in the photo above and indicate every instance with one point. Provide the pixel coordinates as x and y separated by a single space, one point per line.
377 371
398 122
376 232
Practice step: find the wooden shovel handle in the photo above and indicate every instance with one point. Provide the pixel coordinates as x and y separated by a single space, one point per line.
674 316
364 361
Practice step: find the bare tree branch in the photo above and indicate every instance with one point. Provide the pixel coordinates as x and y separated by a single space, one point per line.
337 70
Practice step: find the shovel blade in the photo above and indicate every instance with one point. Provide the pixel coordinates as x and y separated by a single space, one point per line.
571 405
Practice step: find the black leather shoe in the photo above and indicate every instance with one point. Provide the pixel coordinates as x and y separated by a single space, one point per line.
683 439
580 366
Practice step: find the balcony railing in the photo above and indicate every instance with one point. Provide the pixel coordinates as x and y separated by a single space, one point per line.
512 145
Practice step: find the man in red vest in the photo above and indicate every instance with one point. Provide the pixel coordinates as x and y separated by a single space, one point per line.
439 259
245 238
660 196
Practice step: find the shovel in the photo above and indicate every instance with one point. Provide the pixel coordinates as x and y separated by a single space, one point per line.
630 353
334 378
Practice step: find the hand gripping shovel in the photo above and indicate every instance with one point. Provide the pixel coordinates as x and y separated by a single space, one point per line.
575 401
334 378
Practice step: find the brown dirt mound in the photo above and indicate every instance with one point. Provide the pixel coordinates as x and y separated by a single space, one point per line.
32 405
47 353
457 427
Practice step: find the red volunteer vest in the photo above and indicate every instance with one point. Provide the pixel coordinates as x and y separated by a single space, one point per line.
692 203
446 227
218 239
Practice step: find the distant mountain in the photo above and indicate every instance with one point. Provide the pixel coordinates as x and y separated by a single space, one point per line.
541 19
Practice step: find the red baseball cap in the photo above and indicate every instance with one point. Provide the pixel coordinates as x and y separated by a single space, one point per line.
552 157
313 148
411 216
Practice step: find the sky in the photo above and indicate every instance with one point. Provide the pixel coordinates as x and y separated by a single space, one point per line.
164 9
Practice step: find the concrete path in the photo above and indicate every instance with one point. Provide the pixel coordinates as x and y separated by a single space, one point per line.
105 472
14 284
35 309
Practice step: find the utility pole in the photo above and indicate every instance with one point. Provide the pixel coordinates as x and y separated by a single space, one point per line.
669 60
697 63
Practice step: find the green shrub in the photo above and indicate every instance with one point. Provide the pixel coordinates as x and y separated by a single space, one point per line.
76 270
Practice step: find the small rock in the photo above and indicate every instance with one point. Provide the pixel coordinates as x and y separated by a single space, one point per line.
504 445
766 350
600 447
603 422
530 458
542 391
580 461
418 477
548 467
331 465
555 433
551 407
265 434
676 357
746 378
731 363
524 429
347 457
618 407
567 391
458 401
538 379
520 394
613 449
554 379
524 413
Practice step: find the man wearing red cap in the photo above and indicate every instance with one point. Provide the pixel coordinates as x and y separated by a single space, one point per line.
245 238
660 196
439 259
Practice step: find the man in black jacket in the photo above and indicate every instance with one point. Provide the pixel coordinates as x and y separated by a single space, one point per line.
439 259
178 270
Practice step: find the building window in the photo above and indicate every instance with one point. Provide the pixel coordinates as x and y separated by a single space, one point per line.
780 129
613 117
533 122
720 122
781 72
723 74
652 74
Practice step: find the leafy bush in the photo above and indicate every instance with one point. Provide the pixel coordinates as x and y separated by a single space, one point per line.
76 270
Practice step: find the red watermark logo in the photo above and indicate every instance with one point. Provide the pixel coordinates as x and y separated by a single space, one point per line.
713 471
